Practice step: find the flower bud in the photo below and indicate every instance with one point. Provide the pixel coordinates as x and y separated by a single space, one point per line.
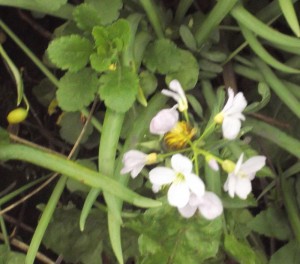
17 115
228 166
219 118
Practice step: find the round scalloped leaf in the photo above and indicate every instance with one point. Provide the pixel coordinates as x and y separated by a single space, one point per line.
188 72
162 56
70 52
108 10
71 126
120 31
86 17
119 88
77 90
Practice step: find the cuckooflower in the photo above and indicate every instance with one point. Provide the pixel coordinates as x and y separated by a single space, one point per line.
231 115
164 121
177 94
134 161
239 180
183 181
209 206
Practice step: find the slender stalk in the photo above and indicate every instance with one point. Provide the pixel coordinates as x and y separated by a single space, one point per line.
182 7
214 18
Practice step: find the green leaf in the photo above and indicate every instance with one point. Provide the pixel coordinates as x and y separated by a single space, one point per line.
86 17
100 63
108 10
10 257
44 92
4 136
162 56
76 246
163 228
264 91
188 71
70 52
52 5
77 90
148 82
119 88
188 37
279 228
120 30
71 127
194 102
287 254
238 250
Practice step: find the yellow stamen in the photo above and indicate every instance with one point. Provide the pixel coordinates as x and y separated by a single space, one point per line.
151 158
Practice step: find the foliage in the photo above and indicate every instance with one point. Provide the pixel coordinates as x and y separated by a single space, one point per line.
105 96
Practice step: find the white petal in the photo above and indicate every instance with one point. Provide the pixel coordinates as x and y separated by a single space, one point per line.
181 164
239 164
253 164
175 96
175 86
195 184
187 211
136 170
164 121
243 187
229 101
213 164
156 188
231 127
178 194
238 105
210 206
161 175
229 185
133 161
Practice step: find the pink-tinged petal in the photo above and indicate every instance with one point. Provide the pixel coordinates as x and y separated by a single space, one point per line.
164 121
229 101
243 188
161 176
133 161
230 185
213 164
195 184
181 164
210 206
136 170
187 211
231 127
171 94
178 194
238 105
253 164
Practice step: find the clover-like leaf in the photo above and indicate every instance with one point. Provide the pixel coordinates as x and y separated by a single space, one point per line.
100 63
120 30
71 126
77 90
108 10
86 17
118 89
188 71
70 52
162 56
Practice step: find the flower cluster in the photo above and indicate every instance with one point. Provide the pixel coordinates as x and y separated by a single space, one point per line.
186 190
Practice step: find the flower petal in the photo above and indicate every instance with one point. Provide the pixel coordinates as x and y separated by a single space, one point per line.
243 187
210 206
238 164
187 211
161 175
164 121
238 105
253 164
195 184
181 164
230 100
230 184
178 194
231 127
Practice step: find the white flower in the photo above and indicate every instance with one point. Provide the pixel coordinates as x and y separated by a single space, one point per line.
134 161
209 206
239 181
231 115
183 181
164 121
177 94
212 163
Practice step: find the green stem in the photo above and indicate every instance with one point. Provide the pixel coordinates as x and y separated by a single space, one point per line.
214 18
288 194
72 169
182 8
29 53
152 13
45 220
64 12
4 232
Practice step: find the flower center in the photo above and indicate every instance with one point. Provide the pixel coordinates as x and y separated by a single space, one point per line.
219 118
179 178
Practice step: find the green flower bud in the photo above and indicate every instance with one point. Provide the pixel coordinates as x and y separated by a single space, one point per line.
17 115
228 166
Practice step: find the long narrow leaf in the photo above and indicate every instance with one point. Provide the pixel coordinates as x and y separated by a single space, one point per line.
290 15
